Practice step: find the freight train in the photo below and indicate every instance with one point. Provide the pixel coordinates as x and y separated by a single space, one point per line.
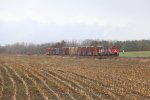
84 51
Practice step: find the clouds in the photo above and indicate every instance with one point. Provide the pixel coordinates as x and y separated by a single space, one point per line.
46 20
32 31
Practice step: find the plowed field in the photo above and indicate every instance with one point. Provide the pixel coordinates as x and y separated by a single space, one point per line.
70 78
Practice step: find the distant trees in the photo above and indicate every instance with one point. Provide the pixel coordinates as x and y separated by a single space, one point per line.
136 45
2 49
30 49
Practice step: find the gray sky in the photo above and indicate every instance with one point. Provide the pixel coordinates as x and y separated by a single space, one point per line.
41 21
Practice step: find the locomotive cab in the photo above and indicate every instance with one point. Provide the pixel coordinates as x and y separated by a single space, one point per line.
114 51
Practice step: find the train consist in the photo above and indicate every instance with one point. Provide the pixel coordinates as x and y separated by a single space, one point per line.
84 51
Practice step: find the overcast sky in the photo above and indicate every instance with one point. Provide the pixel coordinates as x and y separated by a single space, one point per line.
42 21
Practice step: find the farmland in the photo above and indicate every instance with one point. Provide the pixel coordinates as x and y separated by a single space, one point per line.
135 54
71 78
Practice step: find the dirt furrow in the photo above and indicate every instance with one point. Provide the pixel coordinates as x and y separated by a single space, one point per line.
1 84
21 92
43 95
43 81
100 91
116 87
23 82
42 87
76 93
13 84
57 86
94 84
75 85
124 86
64 94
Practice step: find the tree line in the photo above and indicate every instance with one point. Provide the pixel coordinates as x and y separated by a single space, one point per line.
30 48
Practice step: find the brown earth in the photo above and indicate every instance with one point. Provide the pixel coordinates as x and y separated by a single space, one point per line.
73 78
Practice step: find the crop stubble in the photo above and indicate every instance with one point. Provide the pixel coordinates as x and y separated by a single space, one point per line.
59 78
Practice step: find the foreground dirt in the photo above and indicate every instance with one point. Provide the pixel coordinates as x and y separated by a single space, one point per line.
71 78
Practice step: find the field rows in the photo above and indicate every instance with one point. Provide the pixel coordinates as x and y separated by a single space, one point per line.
24 78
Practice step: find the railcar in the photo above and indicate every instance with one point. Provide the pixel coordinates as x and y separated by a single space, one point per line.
84 51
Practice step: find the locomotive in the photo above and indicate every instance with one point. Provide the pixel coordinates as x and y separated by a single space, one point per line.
84 51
